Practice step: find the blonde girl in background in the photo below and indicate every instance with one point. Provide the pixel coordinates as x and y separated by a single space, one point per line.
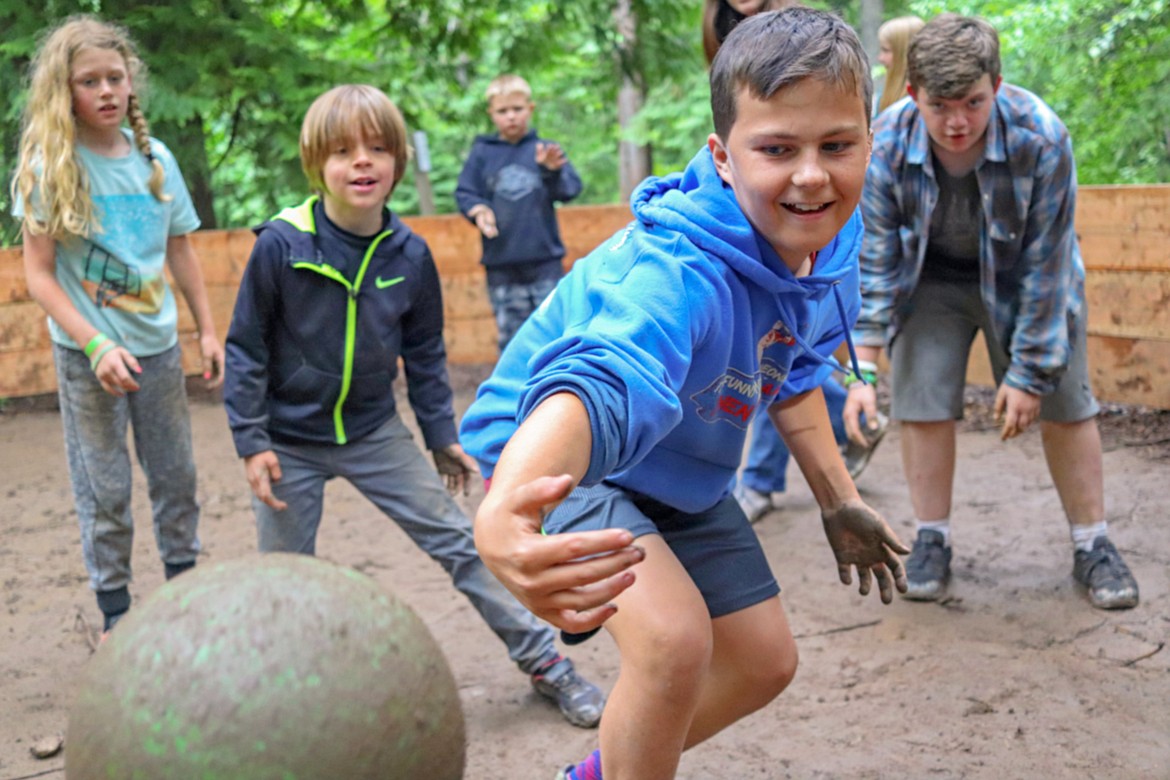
104 210
893 43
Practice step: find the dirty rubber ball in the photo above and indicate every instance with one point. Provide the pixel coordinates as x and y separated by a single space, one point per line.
269 666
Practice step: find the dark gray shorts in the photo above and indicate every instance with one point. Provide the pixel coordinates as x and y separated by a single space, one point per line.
928 359
717 546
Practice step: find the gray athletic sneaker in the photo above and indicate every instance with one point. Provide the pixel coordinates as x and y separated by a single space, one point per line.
856 455
1105 575
928 568
579 700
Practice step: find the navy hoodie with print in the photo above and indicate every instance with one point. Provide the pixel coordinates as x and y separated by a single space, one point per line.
505 177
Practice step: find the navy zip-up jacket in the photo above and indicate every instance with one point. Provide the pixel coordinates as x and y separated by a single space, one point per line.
312 352
505 177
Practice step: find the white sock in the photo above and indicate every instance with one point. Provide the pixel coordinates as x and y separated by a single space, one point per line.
943 526
1083 536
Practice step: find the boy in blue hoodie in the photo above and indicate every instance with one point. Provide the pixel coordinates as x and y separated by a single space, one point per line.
508 188
619 410
336 291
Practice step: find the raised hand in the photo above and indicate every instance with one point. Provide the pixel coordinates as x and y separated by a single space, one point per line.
550 156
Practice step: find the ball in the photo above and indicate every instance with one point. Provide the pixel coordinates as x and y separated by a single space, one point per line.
268 666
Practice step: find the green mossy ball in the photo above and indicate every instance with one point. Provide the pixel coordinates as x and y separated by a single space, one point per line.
269 666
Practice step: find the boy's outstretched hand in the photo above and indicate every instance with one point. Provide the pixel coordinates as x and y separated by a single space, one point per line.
861 538
456 467
568 580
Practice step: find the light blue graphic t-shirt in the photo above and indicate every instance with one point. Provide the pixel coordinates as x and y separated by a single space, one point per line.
115 277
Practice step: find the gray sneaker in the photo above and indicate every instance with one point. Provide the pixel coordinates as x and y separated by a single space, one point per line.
579 700
1105 575
928 568
753 503
856 455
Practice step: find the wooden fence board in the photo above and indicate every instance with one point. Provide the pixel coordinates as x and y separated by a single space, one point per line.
1125 237
1129 304
1124 227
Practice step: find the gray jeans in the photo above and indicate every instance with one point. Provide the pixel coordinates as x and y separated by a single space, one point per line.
388 468
99 462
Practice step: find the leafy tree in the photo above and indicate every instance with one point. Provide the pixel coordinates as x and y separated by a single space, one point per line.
231 80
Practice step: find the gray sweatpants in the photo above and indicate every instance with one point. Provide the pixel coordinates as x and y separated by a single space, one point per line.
99 462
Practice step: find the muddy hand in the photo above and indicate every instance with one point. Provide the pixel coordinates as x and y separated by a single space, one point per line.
861 538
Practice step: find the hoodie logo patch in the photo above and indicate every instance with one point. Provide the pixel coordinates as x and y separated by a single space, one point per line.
732 398
515 182
779 334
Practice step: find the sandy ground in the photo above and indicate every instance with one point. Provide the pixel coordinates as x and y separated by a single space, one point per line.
1012 676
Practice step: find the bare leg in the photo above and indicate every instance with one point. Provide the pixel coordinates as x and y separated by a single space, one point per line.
1073 452
754 660
664 635
928 460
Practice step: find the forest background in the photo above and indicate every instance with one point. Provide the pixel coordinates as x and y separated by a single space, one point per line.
621 83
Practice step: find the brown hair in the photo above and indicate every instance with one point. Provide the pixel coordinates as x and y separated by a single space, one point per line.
719 18
347 112
773 50
951 53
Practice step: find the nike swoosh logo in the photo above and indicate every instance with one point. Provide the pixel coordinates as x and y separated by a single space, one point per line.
384 283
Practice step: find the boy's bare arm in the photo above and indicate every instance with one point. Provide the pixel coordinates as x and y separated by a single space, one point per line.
542 462
859 536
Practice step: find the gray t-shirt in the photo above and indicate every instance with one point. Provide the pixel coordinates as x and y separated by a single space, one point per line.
952 251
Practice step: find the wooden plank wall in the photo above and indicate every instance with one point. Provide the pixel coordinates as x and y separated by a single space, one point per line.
1124 233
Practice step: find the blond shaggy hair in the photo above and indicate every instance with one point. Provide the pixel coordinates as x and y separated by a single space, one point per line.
347 113
48 170
507 84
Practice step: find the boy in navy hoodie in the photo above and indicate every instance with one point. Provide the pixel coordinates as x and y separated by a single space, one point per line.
619 411
508 188
336 291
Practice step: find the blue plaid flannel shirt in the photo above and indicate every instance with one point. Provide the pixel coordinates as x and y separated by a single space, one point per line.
1032 275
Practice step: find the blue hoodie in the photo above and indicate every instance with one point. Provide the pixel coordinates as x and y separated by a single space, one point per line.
674 334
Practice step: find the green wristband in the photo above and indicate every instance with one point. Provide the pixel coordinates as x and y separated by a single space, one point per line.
94 343
868 377
109 346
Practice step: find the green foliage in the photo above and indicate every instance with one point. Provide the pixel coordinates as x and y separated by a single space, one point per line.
231 80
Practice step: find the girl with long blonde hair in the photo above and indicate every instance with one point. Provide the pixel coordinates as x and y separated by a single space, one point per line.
893 42
104 213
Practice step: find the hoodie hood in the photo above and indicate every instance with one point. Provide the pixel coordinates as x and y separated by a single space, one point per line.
701 206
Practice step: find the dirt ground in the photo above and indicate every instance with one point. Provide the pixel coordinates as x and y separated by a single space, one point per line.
1012 676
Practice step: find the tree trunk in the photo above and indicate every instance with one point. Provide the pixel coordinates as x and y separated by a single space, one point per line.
871 19
633 159
187 143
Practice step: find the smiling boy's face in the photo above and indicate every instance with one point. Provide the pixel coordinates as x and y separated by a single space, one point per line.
796 162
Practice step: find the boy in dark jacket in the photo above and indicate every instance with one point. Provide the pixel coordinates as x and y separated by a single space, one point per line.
507 188
336 291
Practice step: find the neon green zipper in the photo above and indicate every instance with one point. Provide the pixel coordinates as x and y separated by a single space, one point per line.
352 289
